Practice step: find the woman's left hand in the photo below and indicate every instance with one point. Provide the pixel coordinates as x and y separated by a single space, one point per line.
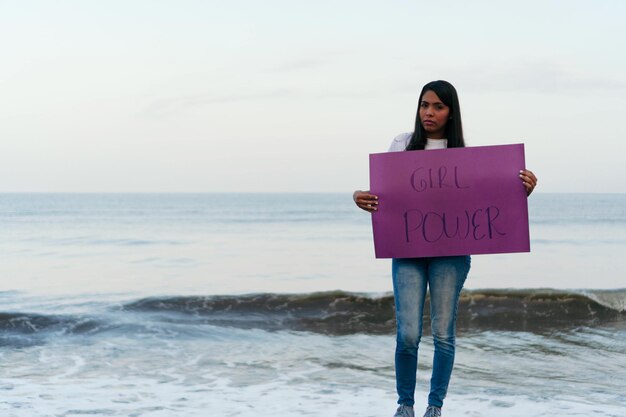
529 180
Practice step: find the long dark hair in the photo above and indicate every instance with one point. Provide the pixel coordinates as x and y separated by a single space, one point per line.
454 128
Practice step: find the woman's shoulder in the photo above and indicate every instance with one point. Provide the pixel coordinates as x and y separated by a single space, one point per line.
400 142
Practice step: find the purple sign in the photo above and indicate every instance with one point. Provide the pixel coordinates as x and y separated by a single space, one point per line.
443 202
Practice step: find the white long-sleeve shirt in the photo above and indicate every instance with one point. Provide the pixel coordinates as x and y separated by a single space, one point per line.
400 142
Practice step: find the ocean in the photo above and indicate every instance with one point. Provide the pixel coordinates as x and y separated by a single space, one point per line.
274 305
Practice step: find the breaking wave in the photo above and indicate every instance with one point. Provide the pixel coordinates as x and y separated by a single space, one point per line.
330 313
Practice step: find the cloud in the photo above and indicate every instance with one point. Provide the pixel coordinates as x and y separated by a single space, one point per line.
164 106
173 104
547 77
539 76
298 65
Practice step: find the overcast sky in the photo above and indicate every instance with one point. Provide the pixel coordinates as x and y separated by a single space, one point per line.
201 96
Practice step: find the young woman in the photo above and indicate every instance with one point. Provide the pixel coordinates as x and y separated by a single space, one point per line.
437 126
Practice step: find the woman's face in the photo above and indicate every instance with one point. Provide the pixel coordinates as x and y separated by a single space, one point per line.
433 115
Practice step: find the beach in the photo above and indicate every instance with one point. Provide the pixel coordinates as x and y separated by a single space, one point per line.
273 304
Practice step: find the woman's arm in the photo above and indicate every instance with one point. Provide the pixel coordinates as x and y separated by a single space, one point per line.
529 180
366 201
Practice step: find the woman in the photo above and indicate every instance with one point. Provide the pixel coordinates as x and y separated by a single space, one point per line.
437 126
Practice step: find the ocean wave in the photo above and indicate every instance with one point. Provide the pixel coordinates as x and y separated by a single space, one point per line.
19 330
27 323
330 313
559 221
340 312
578 242
89 241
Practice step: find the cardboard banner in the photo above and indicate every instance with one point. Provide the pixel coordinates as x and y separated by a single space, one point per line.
444 202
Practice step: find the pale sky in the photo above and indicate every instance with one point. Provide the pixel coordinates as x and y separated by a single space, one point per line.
271 96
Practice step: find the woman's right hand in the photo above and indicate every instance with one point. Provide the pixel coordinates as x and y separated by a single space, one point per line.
366 201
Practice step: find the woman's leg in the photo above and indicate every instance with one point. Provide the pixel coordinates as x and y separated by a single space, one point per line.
446 276
409 289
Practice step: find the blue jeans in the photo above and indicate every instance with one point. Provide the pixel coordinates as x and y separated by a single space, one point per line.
444 276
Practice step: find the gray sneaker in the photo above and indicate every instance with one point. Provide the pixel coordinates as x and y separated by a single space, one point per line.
404 411
432 411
